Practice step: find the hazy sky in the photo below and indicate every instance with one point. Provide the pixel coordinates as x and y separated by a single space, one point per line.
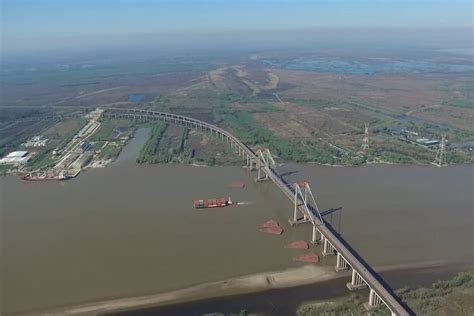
28 23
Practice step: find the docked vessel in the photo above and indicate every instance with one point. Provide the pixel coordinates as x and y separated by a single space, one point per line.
37 176
222 202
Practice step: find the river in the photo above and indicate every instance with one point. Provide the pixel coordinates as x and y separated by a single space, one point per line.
129 230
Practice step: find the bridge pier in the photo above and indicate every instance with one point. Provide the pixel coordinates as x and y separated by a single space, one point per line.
357 282
341 263
328 249
314 239
260 176
374 301
251 164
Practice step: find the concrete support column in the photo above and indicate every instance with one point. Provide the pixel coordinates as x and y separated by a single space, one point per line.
341 264
353 277
295 212
372 298
314 237
356 282
328 249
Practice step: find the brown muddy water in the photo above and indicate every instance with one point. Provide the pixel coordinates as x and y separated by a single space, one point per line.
130 230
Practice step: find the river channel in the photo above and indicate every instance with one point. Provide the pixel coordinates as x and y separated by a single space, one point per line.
129 230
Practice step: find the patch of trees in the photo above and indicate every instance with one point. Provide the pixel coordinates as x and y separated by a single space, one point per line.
149 152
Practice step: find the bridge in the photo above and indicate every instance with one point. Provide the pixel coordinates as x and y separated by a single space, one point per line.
301 196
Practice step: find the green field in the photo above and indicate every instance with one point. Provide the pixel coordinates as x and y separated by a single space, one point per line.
111 129
462 103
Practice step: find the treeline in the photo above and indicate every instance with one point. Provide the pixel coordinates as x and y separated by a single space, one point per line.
161 148
176 151
149 152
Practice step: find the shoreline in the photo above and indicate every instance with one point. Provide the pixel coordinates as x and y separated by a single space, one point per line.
109 162
247 284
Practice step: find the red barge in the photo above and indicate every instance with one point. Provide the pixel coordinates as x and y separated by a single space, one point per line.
222 202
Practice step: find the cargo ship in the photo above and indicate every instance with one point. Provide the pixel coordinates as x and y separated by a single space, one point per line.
36 176
222 202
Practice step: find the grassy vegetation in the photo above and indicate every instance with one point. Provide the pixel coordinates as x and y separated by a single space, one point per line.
13 135
161 103
452 297
111 150
110 129
315 103
252 133
397 149
462 103
59 136
244 126
149 152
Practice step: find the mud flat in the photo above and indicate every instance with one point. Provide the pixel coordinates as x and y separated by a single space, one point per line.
246 284
322 280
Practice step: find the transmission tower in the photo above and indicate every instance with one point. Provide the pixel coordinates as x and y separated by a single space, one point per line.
440 159
364 148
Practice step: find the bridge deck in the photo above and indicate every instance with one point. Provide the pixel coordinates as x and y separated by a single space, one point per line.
350 255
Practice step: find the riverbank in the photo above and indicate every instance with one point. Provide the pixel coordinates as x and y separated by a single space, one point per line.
447 297
245 284
308 275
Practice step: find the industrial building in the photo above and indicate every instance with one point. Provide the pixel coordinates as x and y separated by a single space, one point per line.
15 158
427 142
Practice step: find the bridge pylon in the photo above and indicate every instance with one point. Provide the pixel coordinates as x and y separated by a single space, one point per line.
265 161
305 203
